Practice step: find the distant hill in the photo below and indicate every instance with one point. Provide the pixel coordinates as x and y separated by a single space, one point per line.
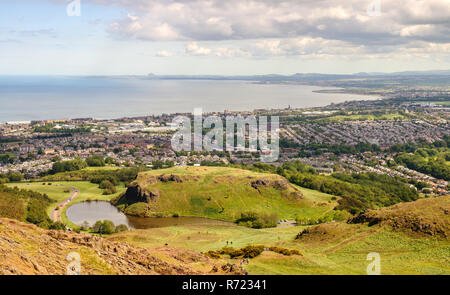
216 192
299 76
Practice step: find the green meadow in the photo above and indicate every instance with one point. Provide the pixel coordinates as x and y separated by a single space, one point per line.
225 193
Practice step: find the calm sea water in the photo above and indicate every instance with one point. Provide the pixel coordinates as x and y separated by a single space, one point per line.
37 98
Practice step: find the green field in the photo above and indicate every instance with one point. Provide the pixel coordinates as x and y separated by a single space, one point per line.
224 193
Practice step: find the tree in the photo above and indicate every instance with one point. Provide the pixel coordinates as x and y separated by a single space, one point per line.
104 227
108 227
95 161
14 176
97 226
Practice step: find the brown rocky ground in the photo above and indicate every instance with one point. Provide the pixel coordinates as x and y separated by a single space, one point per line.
28 250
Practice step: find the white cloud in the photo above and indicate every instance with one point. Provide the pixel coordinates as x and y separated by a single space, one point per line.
194 49
300 27
163 53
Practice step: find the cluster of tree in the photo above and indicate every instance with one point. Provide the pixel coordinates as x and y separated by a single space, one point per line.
7 158
8 139
258 220
435 168
107 187
107 227
337 149
71 165
11 177
158 164
357 191
115 176
95 161
413 147
50 128
26 205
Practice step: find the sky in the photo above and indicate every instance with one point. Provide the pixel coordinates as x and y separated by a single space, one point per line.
232 37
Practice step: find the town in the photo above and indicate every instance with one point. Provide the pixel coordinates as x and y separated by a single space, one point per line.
323 138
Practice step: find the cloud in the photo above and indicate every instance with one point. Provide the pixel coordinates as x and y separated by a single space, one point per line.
285 27
163 53
194 49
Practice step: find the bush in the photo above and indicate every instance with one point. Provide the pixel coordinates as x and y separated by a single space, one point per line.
108 187
105 184
104 227
258 220
285 251
251 251
57 226
109 191
213 255
121 228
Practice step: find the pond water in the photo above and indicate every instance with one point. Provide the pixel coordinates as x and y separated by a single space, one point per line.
93 211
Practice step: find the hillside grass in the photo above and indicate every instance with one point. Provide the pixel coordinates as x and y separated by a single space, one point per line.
346 254
225 193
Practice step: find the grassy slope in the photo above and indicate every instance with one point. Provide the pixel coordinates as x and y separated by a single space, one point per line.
346 254
230 189
333 248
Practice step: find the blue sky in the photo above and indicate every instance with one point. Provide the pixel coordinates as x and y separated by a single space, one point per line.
114 37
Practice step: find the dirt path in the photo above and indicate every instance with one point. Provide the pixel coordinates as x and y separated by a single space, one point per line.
55 215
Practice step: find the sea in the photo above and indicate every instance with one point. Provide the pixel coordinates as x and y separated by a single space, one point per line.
26 98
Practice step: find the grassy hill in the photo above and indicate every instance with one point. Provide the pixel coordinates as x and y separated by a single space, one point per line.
332 248
219 193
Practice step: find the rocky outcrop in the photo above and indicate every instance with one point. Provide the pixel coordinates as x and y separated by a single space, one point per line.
28 250
283 185
137 194
170 178
277 184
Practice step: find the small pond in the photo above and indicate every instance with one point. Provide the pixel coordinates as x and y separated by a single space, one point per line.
93 211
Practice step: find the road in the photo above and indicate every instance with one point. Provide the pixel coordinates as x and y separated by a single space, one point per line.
55 215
